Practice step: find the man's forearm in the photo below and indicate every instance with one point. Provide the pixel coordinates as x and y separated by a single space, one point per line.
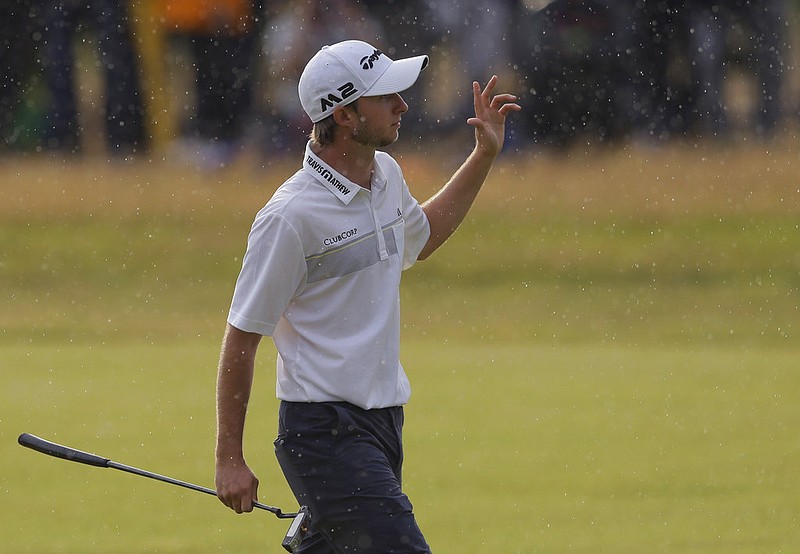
234 382
447 208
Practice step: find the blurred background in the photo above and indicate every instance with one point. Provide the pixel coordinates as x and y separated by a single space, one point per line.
205 81
604 357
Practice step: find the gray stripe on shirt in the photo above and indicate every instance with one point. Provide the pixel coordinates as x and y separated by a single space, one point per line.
350 257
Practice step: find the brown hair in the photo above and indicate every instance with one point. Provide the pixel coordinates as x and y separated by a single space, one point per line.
322 132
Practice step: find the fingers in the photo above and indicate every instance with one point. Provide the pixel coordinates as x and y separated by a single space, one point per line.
239 493
501 99
242 504
509 107
483 99
476 96
487 92
490 115
239 504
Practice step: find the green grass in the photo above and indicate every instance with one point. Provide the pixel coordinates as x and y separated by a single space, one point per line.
596 367
607 450
510 447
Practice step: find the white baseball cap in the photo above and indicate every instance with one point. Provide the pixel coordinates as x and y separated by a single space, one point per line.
339 74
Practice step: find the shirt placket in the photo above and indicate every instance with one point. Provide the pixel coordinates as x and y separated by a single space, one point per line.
373 201
373 206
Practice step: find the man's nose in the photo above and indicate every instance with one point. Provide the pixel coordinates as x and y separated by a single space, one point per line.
402 107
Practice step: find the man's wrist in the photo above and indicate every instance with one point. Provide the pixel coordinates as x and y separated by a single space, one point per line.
483 154
229 455
229 461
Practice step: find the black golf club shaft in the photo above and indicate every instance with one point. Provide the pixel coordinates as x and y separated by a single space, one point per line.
71 454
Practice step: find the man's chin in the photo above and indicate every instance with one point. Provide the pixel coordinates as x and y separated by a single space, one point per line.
377 142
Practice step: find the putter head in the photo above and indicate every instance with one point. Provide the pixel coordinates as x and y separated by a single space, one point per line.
298 530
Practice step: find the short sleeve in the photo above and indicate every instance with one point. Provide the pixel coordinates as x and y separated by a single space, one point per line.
273 270
415 226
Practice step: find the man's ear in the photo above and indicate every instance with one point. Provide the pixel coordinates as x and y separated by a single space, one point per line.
345 116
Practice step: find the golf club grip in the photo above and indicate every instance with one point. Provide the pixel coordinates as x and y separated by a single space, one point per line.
59 451
184 484
67 453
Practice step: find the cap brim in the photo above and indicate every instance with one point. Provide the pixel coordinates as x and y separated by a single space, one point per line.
399 76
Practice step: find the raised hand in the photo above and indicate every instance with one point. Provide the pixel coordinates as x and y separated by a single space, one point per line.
490 116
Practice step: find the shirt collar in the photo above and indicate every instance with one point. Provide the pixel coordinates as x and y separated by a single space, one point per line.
343 188
378 176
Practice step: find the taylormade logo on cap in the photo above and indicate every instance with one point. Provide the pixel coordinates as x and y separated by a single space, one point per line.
339 74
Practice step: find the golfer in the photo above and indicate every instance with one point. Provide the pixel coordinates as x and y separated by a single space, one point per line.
321 276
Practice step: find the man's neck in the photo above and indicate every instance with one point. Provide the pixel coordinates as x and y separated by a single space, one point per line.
352 160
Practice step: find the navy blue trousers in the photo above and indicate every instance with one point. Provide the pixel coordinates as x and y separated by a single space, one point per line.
344 463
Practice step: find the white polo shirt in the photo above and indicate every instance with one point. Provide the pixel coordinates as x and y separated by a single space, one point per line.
321 275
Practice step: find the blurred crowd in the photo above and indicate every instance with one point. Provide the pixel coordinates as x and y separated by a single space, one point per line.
205 79
659 70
